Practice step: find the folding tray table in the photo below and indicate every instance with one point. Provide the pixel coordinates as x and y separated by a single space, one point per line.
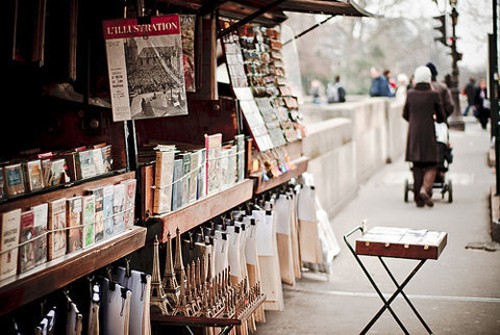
394 242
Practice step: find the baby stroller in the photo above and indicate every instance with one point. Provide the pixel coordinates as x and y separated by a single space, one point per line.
442 182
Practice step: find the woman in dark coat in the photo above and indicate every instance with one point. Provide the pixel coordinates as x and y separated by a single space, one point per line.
422 108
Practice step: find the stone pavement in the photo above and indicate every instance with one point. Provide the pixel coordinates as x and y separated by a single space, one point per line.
457 294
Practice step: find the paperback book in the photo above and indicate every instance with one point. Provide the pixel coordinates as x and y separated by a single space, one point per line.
118 208
129 202
75 229
142 59
34 175
57 229
26 247
98 193
41 217
162 198
107 207
10 229
14 179
213 148
88 220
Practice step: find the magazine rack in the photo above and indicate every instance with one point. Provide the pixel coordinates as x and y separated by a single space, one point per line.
405 243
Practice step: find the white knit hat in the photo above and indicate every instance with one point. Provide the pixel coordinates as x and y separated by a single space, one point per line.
422 75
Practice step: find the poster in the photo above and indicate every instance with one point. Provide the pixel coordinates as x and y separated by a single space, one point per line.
145 67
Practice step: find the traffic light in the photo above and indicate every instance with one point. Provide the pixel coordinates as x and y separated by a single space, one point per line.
441 29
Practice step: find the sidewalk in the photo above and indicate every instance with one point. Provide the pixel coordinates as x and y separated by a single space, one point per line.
457 294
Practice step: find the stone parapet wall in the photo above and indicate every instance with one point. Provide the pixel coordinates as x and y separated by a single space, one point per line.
347 143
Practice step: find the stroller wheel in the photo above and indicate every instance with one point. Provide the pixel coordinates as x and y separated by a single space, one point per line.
450 191
407 189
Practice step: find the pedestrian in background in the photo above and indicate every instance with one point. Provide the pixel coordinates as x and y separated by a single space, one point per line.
379 85
442 89
482 103
422 108
403 84
335 92
315 91
392 83
470 92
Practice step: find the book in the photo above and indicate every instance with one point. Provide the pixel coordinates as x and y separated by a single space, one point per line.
98 193
177 184
186 177
88 220
107 158
57 246
98 161
231 166
213 147
75 230
107 209
54 171
193 176
224 168
200 187
129 203
162 196
118 208
138 88
14 179
10 228
85 164
41 216
26 246
240 157
34 175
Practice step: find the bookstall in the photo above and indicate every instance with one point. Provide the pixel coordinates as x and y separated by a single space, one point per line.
132 172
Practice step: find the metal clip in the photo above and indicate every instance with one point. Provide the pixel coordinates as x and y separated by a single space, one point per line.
387 244
407 246
426 247
367 244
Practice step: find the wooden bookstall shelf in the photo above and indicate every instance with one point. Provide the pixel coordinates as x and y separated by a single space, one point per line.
52 275
263 186
55 274
196 321
204 209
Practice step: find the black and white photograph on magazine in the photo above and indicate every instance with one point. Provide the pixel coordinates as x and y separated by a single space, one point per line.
145 65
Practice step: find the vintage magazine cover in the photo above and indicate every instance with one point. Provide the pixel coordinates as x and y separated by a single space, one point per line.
145 68
57 229
10 225
74 217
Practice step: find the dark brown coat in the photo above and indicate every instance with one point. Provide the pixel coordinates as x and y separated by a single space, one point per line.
422 103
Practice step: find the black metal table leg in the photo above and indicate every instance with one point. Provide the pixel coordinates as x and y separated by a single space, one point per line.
399 289
414 309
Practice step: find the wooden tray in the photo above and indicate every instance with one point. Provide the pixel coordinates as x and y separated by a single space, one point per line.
401 243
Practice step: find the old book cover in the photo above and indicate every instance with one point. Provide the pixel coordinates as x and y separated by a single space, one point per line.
240 158
98 193
57 229
34 175
146 75
26 246
224 167
231 166
119 208
129 203
201 185
193 177
107 158
41 217
75 229
10 228
107 208
88 220
188 25
98 161
213 148
164 165
14 179
54 171
186 177
177 184
85 164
